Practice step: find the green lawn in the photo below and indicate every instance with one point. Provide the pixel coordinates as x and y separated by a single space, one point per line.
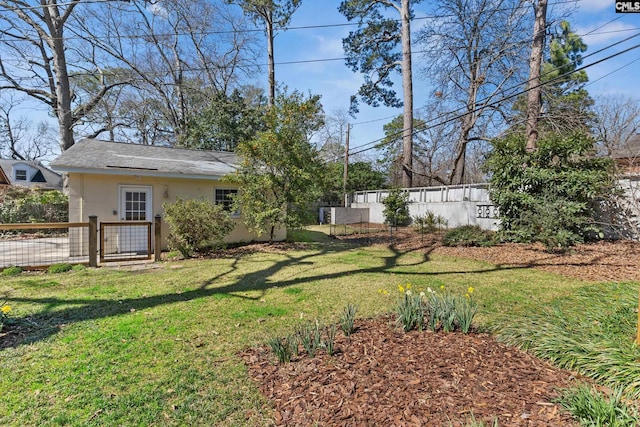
157 347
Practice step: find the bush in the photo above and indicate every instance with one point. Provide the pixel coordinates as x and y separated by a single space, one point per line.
469 235
548 195
196 226
396 208
59 268
429 222
12 271
23 205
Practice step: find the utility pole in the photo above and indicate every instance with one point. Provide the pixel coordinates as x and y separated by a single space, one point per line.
346 166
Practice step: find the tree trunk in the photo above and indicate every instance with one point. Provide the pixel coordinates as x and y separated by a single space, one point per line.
459 163
534 95
270 61
407 88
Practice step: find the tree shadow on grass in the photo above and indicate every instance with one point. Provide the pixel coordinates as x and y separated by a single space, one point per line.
50 321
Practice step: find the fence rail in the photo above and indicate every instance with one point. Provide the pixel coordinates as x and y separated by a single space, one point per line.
39 245
125 240
36 246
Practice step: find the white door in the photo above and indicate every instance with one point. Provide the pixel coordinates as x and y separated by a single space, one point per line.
135 205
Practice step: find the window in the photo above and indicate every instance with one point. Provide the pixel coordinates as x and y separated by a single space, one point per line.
21 175
225 198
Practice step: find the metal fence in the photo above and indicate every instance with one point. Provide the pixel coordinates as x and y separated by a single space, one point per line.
125 241
37 246
34 246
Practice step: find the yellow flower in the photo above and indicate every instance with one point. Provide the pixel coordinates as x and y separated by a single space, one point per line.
442 287
470 290
468 296
385 292
408 286
5 309
401 288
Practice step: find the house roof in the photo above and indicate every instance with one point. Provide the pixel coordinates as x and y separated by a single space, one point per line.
630 150
4 179
115 158
40 176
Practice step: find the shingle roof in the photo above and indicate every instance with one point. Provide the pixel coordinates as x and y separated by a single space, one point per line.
631 150
103 157
44 178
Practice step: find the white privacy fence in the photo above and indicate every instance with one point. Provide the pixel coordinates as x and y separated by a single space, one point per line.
471 205
458 204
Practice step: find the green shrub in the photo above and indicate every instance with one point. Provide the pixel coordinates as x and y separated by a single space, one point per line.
196 226
469 235
396 208
429 222
548 195
59 268
23 205
79 267
12 271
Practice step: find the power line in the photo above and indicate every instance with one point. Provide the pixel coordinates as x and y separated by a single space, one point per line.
592 32
495 103
506 90
256 30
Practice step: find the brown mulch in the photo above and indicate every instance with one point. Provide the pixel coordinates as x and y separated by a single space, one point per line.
602 261
383 377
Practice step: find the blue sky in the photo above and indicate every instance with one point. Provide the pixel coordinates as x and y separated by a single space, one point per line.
336 83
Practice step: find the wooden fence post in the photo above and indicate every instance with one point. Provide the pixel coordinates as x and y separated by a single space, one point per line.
93 241
157 250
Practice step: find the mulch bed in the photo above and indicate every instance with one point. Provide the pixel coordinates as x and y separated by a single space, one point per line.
384 377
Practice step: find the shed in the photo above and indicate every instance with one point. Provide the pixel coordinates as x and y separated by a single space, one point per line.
130 182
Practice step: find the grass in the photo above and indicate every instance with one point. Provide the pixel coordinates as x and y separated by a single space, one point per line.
159 347
592 408
591 332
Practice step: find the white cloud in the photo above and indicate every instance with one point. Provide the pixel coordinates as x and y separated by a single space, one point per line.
329 47
589 6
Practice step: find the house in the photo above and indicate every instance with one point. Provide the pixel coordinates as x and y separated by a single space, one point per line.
627 157
28 174
130 182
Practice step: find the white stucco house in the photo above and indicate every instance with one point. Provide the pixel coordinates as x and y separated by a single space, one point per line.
130 182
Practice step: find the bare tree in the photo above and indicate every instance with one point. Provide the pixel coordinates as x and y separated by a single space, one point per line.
19 138
331 137
273 14
36 59
475 54
178 53
617 123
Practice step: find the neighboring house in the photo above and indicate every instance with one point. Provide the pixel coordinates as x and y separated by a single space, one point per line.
29 174
130 182
627 158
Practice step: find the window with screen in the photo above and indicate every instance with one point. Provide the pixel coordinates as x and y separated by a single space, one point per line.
21 175
225 197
